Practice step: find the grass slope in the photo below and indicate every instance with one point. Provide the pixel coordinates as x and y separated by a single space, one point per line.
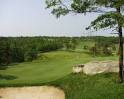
51 66
101 86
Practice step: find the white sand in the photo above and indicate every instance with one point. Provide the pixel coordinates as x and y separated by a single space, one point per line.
43 92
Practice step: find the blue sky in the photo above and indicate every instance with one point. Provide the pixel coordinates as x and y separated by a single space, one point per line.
30 18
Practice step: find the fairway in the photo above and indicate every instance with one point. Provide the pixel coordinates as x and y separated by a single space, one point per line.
48 67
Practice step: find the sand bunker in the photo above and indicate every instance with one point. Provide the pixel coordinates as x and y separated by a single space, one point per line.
43 92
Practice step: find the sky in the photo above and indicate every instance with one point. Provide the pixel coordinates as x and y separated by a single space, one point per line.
30 18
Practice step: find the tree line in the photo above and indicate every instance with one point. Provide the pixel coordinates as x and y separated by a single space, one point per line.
20 49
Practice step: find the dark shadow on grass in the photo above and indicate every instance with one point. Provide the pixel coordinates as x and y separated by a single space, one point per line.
13 64
3 67
7 77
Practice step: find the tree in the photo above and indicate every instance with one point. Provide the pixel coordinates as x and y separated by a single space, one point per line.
30 55
70 44
4 52
17 53
107 50
93 50
111 17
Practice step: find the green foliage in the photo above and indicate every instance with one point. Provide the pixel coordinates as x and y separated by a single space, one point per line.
101 48
50 46
80 6
20 49
4 51
109 3
70 46
94 51
114 47
59 10
108 20
31 55
70 43
107 50
17 55
85 47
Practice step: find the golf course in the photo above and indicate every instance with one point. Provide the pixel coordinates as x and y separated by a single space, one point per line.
55 69
61 49
50 67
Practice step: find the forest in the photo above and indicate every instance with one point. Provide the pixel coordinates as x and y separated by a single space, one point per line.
21 49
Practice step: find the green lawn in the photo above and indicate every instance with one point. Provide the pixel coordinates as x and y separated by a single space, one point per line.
51 66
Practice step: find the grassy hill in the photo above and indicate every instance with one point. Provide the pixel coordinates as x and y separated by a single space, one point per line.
54 68
48 67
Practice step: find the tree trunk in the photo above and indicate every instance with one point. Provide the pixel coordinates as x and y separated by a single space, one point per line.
121 67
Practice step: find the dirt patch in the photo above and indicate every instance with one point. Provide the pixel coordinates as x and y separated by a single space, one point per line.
43 92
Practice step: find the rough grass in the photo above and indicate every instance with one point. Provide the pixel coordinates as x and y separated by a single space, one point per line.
101 86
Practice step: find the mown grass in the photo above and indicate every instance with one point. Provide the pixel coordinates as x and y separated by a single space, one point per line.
51 66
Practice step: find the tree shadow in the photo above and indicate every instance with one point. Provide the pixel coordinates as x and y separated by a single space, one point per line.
3 67
13 64
7 77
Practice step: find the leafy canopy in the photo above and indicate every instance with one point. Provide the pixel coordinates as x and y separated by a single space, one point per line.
110 11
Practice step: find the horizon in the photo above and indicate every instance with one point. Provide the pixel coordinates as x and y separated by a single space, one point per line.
54 36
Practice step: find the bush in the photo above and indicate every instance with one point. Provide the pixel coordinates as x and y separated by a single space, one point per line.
70 45
50 46
85 47
107 51
94 51
101 49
